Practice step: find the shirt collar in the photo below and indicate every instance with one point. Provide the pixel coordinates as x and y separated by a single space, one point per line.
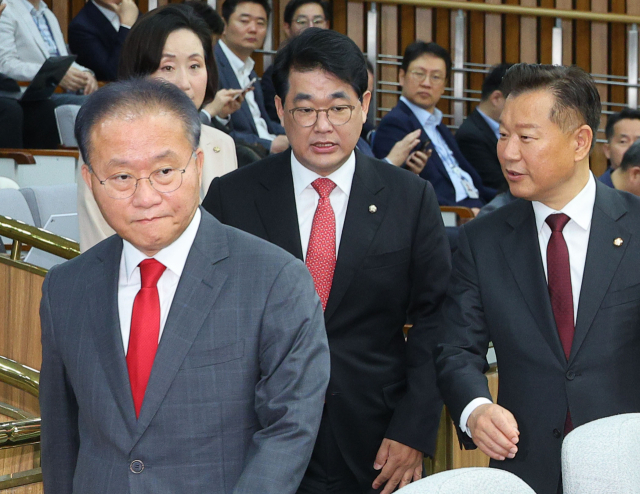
342 177
425 117
174 256
40 9
579 209
493 125
109 14
238 65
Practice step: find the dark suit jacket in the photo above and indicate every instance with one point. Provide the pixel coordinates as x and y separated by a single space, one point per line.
242 125
498 292
391 263
477 142
400 121
269 94
97 44
235 395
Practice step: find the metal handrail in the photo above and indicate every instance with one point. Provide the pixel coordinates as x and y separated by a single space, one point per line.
518 10
36 237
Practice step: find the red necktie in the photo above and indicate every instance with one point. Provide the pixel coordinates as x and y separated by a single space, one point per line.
321 253
559 276
145 330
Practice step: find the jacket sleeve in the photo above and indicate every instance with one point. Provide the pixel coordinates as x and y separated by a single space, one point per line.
58 407
416 419
93 54
294 364
388 133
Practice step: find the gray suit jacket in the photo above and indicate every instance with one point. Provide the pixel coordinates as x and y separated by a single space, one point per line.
235 395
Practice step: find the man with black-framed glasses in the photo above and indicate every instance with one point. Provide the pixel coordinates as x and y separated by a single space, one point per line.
423 75
372 237
178 352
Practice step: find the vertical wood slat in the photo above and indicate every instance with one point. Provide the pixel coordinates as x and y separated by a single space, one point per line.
424 24
340 16
442 27
617 51
493 36
407 26
388 46
476 42
545 33
567 33
511 39
62 10
528 35
582 39
355 26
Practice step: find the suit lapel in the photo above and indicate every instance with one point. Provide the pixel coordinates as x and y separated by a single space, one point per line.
276 205
360 227
521 250
24 17
197 291
484 128
103 307
602 260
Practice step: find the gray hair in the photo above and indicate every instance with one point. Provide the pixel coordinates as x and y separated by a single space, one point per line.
131 99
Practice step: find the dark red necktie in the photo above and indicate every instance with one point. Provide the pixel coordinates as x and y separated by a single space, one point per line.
145 330
321 253
559 276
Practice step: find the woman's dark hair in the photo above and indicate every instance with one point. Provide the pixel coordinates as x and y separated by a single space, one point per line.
142 51
322 49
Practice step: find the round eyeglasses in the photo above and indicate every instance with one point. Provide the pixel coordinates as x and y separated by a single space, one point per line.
436 78
163 180
303 20
337 115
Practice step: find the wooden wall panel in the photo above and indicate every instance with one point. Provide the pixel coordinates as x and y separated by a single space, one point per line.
475 51
545 33
567 33
529 35
355 26
618 52
388 46
340 16
511 38
444 37
493 37
407 26
582 45
424 24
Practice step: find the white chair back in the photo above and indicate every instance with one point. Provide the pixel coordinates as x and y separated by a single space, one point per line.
66 120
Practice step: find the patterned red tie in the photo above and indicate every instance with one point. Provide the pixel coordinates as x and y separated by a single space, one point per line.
321 254
145 330
559 275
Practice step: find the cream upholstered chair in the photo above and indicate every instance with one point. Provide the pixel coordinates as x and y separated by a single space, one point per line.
602 457
469 480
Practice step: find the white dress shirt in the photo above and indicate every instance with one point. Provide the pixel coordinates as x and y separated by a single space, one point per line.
242 70
173 257
307 198
461 180
576 235
111 16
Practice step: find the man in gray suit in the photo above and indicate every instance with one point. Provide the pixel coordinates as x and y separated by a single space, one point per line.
179 354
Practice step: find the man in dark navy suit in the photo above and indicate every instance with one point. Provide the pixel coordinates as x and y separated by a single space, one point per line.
424 72
98 32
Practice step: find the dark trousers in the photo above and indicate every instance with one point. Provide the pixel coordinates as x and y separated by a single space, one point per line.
28 125
327 471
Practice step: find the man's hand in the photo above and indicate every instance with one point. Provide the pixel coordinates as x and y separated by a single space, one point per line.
401 149
226 102
400 464
91 84
279 144
417 161
74 80
494 430
127 11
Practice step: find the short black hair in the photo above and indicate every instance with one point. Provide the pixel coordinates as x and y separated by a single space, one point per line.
142 50
208 14
631 157
493 80
322 49
577 101
627 113
229 7
419 48
133 98
294 5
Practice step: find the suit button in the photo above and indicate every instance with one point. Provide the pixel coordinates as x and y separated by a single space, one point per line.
136 466
571 375
556 434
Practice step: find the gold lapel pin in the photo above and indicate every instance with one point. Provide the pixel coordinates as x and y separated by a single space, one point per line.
216 149
618 242
373 208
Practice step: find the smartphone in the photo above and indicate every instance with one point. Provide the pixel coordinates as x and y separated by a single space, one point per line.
245 88
423 147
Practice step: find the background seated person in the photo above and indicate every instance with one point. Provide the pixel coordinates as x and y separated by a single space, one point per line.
98 32
622 130
425 69
627 176
478 135
184 59
244 32
29 35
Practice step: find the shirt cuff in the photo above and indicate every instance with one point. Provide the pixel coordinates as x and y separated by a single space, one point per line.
206 114
468 410
223 121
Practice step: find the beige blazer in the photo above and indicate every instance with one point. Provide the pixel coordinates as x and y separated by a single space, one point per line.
22 49
219 158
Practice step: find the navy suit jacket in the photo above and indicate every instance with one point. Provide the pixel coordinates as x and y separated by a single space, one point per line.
397 124
97 44
242 125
